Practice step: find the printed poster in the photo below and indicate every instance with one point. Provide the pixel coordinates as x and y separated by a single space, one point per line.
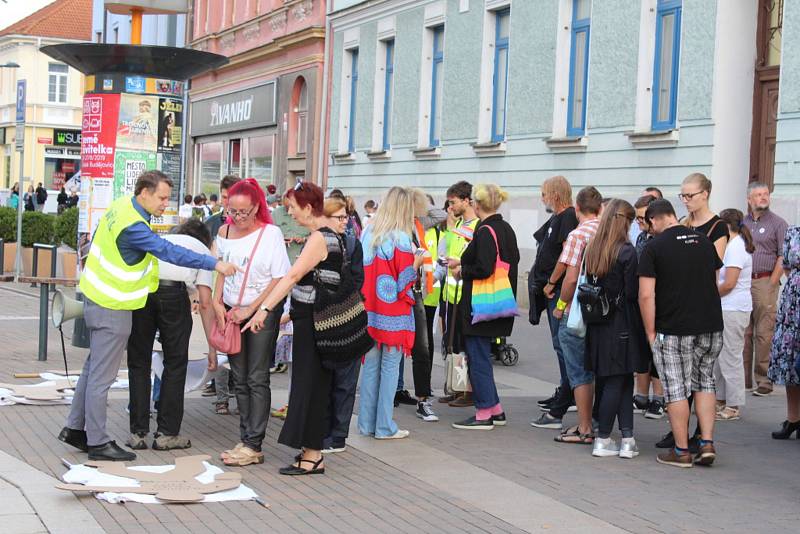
138 122
128 165
98 134
170 125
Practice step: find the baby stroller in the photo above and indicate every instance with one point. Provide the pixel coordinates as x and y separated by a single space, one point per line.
504 352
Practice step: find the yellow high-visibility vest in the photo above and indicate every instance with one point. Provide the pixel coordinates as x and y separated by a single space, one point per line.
457 241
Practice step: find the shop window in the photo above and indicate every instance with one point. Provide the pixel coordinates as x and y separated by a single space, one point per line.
259 158
210 166
578 67
235 157
57 83
665 66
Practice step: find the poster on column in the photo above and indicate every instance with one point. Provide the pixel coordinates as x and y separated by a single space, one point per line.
128 165
170 125
138 122
170 164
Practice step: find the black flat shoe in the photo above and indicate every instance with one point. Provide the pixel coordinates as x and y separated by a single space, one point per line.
474 424
499 420
787 429
667 442
404 397
296 470
111 452
76 438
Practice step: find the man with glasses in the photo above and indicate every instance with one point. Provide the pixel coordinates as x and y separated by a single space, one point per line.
682 315
768 231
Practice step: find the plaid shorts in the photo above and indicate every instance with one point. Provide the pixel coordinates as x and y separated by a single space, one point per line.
686 363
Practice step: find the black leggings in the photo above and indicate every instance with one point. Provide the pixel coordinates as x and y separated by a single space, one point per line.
422 366
616 402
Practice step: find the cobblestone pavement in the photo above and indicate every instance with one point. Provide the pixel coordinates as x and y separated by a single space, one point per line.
511 479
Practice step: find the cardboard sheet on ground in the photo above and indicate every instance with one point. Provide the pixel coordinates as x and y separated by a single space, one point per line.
192 479
120 383
51 392
197 374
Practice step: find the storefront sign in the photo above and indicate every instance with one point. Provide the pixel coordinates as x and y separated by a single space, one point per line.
44 140
66 137
242 110
54 151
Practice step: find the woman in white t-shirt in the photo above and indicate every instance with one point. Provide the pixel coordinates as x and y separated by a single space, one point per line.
250 238
734 288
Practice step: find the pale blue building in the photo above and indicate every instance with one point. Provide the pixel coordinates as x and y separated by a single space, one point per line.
619 94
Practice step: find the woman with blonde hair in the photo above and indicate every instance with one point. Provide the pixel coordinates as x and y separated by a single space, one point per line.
615 347
695 192
493 238
391 263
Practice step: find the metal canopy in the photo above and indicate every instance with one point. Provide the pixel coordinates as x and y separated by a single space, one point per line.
158 61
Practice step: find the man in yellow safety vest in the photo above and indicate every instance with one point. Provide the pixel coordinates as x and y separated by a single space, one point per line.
120 271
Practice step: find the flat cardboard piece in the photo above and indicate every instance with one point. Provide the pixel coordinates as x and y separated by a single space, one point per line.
54 391
176 485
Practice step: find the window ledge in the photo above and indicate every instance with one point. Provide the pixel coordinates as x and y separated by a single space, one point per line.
344 157
653 139
495 148
379 154
427 152
567 144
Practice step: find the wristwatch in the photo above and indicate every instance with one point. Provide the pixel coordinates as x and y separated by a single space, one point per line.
264 308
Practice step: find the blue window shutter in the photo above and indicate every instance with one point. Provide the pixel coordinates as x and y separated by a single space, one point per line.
388 95
667 9
578 67
500 75
436 80
351 139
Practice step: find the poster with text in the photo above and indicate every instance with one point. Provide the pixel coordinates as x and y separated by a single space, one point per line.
170 125
128 165
138 122
99 134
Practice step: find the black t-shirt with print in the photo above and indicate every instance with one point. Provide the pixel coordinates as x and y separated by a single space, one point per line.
551 237
684 264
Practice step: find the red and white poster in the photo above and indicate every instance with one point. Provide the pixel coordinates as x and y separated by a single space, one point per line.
99 135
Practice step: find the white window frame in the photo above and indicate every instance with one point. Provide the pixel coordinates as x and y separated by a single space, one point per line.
487 69
60 97
351 43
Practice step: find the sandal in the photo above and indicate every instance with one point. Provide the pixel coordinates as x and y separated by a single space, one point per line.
230 452
573 435
295 470
244 456
727 414
221 408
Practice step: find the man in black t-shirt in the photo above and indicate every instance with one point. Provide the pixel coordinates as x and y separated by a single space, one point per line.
682 317
544 285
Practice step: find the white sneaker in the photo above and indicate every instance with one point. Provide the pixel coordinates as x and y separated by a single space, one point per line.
628 448
400 434
425 411
605 447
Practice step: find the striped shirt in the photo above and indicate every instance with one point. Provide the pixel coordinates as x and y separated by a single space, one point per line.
768 232
576 242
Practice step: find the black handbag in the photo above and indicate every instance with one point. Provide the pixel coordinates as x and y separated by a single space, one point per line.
340 319
595 306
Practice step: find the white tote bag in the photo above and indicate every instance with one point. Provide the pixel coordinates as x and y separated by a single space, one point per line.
575 322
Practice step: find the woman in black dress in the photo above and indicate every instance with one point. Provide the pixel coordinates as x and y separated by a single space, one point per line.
306 420
615 348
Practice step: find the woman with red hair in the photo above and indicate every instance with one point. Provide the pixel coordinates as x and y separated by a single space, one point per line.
251 241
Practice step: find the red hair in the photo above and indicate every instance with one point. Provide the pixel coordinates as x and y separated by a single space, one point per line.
250 188
308 194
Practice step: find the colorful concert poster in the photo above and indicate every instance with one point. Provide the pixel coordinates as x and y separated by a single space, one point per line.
138 122
170 125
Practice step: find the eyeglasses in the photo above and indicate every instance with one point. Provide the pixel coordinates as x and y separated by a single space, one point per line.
689 196
340 218
240 214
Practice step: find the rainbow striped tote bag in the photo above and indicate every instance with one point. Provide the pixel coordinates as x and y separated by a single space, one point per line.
492 297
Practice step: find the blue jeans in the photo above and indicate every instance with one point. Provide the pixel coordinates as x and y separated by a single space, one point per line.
481 374
400 382
573 349
378 386
554 328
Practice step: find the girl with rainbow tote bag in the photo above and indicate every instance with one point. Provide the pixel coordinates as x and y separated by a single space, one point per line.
492 297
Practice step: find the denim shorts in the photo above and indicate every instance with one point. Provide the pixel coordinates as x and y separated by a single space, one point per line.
573 348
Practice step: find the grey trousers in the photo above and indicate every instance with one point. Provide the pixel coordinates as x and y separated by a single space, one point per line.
108 335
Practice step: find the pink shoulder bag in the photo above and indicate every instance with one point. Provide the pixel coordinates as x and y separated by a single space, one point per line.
229 339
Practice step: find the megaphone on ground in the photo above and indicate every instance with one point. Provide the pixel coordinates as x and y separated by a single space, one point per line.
65 308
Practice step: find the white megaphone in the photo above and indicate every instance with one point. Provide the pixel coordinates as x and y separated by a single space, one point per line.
65 308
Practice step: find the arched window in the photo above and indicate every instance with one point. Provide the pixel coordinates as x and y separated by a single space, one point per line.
300 110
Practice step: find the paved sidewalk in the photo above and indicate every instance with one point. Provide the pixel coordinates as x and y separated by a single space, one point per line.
512 479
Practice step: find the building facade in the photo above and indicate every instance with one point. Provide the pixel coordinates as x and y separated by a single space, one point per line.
618 94
259 115
52 146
